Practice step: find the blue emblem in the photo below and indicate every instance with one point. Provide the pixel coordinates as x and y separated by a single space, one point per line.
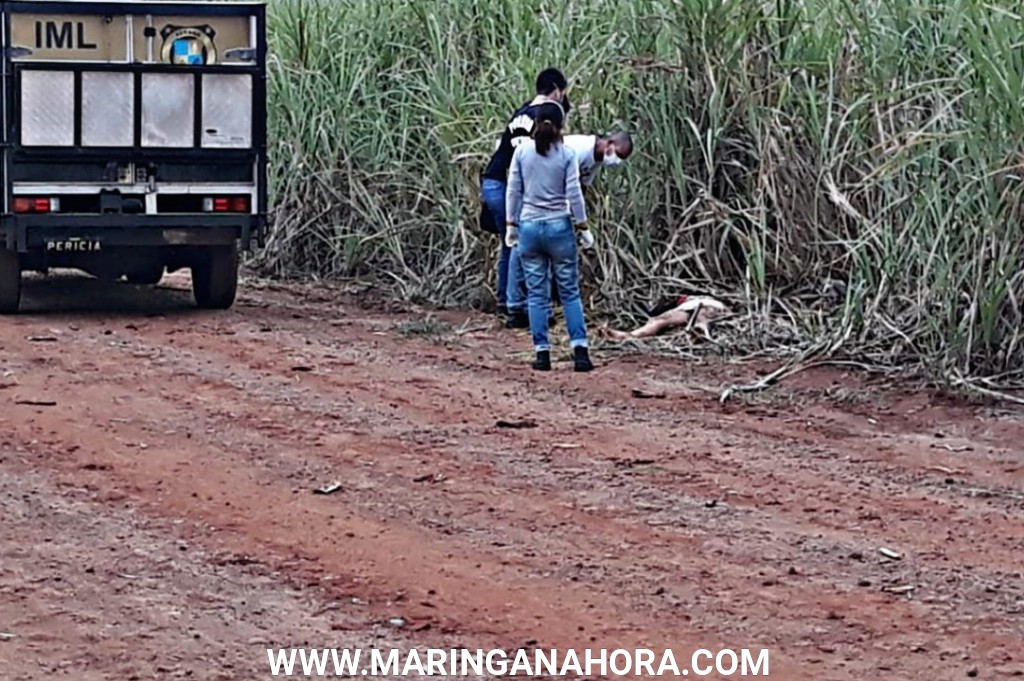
188 51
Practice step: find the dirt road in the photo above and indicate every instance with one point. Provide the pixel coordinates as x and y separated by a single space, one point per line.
157 468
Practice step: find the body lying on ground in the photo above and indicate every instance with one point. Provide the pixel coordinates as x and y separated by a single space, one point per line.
703 310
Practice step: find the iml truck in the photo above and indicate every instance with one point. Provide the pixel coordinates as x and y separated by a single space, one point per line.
133 141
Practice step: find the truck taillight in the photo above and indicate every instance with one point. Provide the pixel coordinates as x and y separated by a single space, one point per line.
223 204
24 204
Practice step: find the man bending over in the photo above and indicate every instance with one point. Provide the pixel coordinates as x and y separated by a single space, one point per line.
596 152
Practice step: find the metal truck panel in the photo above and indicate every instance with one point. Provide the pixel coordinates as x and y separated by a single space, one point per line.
227 110
48 109
108 109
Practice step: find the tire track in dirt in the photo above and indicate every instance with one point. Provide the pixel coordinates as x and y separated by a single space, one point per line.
904 509
139 600
722 568
178 364
835 480
361 379
279 509
803 425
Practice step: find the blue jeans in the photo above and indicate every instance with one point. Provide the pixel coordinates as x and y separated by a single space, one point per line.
511 289
515 291
547 246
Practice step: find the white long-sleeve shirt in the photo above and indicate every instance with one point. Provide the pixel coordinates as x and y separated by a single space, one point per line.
584 145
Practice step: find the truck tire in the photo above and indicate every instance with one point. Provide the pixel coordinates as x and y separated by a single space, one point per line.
10 281
215 278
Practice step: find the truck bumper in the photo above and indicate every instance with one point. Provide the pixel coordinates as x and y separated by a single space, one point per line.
97 232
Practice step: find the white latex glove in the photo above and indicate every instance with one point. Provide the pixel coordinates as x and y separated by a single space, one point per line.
511 236
586 239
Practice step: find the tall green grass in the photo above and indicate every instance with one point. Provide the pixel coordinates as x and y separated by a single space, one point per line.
850 170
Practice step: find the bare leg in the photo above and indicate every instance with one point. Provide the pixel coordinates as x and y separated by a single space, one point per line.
655 325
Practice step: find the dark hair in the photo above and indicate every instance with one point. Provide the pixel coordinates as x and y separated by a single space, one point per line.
664 304
550 80
549 117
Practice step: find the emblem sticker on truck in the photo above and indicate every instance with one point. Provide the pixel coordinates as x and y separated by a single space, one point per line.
192 45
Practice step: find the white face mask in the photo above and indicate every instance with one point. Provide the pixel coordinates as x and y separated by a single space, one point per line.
610 159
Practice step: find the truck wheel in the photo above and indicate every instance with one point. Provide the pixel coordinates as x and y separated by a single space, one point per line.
10 281
215 278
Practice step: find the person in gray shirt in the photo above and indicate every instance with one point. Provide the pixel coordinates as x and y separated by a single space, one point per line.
544 210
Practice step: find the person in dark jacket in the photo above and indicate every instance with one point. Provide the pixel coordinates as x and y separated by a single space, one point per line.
551 86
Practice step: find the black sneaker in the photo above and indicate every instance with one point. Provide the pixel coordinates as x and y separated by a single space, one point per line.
517 319
502 311
543 361
581 358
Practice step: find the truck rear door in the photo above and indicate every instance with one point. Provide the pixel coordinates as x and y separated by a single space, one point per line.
132 122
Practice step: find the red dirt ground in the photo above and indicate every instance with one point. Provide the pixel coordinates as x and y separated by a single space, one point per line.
159 521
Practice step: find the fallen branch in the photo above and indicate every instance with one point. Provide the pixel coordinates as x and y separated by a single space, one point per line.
764 382
788 369
960 382
473 329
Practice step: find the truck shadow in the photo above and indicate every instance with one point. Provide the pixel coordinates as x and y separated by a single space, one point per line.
74 292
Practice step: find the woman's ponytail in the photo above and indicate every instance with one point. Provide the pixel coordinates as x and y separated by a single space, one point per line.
547 134
550 119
